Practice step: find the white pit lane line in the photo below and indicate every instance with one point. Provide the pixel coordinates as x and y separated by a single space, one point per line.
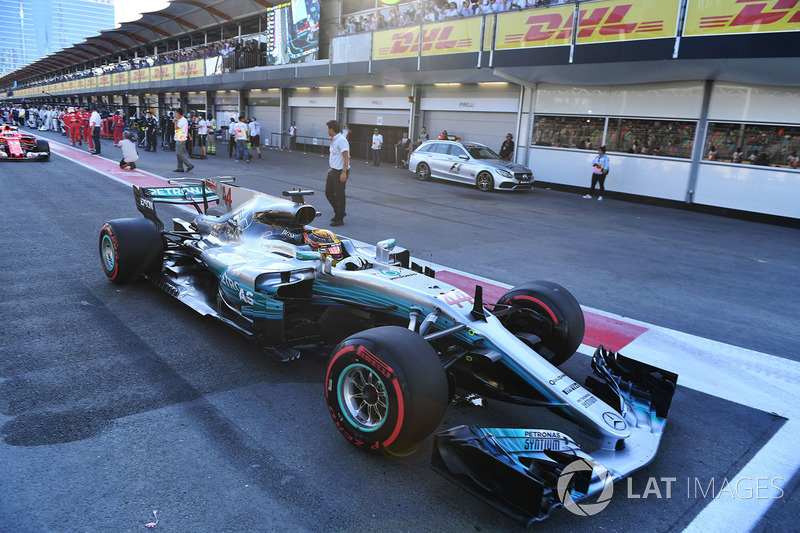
752 379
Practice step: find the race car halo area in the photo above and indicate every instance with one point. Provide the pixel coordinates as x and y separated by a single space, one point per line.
117 401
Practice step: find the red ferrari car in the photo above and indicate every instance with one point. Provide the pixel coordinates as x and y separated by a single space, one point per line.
15 144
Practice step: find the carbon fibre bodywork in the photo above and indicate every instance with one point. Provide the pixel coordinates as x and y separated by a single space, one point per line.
246 263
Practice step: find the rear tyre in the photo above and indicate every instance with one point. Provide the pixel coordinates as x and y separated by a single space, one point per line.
548 311
485 182
43 146
386 389
423 172
129 248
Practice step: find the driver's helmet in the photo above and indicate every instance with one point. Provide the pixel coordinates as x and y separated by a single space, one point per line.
325 242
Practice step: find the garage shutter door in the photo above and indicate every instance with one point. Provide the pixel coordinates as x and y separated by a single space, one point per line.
270 119
487 128
388 117
311 120
312 134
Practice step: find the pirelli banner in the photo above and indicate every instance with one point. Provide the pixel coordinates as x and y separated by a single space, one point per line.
598 22
727 17
450 37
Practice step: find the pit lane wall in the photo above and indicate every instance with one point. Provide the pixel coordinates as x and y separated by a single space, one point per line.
678 168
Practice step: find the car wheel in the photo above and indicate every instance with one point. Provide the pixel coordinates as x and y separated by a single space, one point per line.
547 311
485 182
423 172
130 247
43 146
386 389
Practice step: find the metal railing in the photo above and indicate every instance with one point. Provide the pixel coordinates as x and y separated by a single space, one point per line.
301 143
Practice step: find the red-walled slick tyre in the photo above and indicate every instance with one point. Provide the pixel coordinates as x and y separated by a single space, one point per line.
386 389
548 311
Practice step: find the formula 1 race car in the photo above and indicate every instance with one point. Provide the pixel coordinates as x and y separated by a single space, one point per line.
403 343
15 144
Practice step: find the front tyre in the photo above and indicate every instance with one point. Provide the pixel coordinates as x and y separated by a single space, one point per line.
42 145
423 172
485 182
386 389
129 248
548 311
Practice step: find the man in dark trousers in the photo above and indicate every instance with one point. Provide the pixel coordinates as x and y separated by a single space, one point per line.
150 127
95 123
165 120
171 131
338 173
231 140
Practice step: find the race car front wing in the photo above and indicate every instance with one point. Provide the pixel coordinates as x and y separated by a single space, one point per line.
522 472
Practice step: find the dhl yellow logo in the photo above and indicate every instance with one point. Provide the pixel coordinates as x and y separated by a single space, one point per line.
742 16
613 20
195 68
437 38
460 36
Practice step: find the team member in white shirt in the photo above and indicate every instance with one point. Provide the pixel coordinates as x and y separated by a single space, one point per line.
338 173
240 135
377 144
95 122
202 134
181 135
129 154
254 131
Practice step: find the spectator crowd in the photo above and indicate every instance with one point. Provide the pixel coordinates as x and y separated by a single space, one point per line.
421 11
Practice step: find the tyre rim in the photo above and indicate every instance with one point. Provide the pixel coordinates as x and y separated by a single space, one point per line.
363 397
107 253
423 172
484 182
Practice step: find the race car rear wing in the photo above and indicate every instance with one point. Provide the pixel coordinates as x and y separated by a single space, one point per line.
200 193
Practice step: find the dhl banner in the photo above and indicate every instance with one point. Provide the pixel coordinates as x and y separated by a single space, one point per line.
627 20
155 73
196 68
167 72
598 22
120 78
717 17
141 75
539 27
442 38
181 71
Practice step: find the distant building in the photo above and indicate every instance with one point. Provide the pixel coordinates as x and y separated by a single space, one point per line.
32 29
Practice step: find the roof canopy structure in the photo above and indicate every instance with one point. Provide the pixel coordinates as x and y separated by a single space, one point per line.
179 18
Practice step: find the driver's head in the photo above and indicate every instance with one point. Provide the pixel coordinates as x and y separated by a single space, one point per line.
325 242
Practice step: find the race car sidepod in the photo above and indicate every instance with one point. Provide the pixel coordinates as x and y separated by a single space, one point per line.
518 471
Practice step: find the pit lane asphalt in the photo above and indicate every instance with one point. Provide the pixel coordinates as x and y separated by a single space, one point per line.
117 401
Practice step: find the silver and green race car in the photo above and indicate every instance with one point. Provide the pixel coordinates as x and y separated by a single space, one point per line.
402 343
